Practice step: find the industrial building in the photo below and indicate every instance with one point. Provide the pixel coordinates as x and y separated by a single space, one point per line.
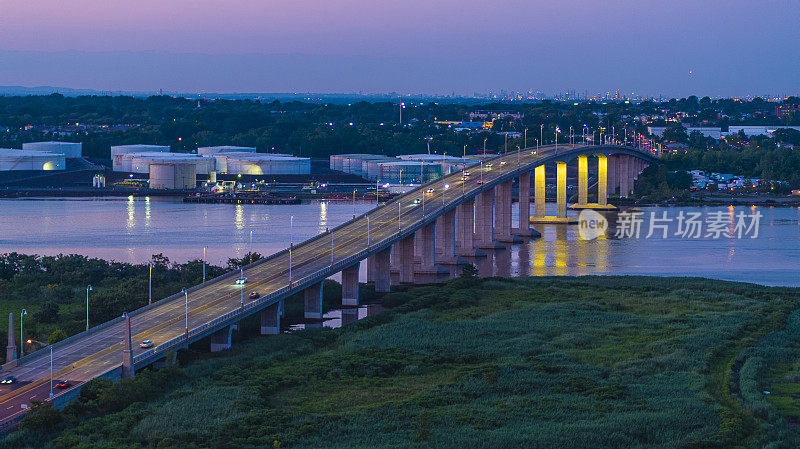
12 159
173 176
118 152
713 132
68 149
758 130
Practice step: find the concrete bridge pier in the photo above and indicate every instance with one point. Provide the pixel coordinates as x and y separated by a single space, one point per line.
127 353
379 270
624 175
446 238
221 339
402 258
583 184
539 192
612 184
502 213
484 216
465 230
427 271
271 319
561 197
350 285
523 229
312 297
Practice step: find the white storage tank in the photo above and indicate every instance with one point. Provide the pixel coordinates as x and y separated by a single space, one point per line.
11 159
371 168
210 151
409 171
118 151
267 164
173 176
68 149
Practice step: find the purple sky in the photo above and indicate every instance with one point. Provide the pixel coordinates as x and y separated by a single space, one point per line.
734 47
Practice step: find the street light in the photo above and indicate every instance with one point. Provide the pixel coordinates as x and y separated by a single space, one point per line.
525 142
186 312
88 289
21 341
541 133
204 263
150 284
354 203
291 244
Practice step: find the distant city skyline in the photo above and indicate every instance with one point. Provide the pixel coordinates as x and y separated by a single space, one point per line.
679 48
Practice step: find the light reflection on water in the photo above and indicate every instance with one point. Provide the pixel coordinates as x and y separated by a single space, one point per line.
132 229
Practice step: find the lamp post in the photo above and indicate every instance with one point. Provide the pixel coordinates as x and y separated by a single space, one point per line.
241 287
525 141
150 285
584 134
571 137
541 133
21 341
484 148
505 150
518 151
51 371
367 231
354 203
291 245
186 312
398 216
88 289
204 263
556 131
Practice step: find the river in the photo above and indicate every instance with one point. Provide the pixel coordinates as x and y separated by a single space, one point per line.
133 229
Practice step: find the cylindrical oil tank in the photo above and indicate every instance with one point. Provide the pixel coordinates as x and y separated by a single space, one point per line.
11 159
263 164
173 176
117 152
68 149
210 151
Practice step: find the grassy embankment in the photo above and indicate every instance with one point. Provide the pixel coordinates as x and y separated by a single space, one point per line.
628 362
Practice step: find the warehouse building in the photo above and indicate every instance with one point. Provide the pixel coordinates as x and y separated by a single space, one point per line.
12 159
68 149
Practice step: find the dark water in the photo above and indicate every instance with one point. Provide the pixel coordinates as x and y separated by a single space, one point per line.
132 229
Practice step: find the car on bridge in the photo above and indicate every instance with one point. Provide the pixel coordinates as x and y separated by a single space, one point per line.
241 280
63 384
8 380
429 190
254 295
417 201
146 344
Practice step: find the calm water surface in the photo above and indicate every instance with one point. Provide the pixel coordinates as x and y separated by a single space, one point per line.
132 229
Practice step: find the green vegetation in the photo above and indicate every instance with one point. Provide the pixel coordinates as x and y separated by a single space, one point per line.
584 362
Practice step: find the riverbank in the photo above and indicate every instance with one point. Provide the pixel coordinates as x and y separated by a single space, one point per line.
714 201
538 362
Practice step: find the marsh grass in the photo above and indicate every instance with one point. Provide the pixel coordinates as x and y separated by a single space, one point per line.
584 362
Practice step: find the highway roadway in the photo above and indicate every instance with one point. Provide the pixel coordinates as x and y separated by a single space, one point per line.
100 352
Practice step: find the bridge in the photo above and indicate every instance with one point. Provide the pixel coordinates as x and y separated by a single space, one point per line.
419 237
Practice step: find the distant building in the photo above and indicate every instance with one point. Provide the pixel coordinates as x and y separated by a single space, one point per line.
758 130
68 149
712 132
784 110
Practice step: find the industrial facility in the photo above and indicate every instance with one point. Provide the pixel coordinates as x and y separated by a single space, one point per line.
251 163
173 176
12 159
68 149
400 169
120 152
